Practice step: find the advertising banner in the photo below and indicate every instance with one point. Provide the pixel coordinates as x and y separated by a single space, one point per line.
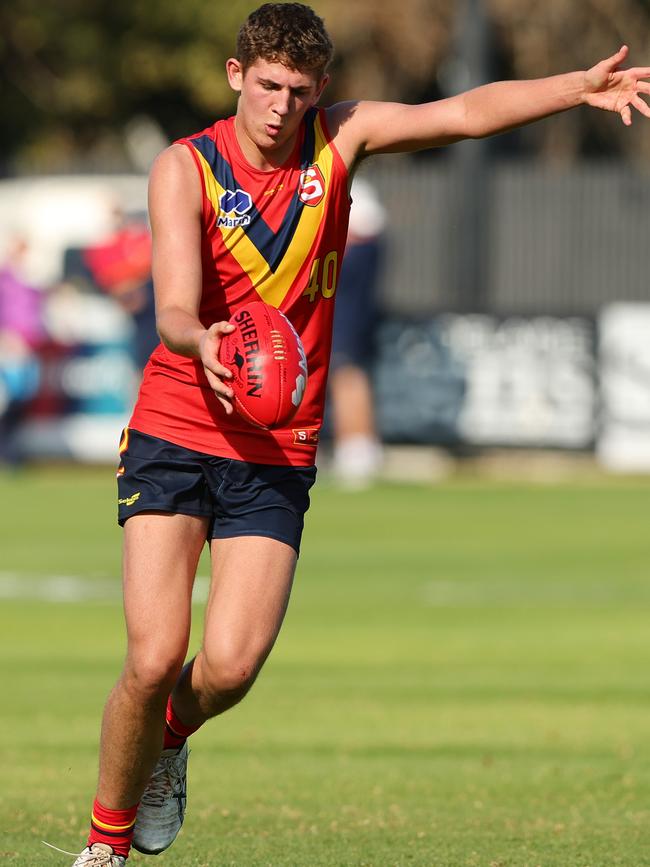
624 353
483 380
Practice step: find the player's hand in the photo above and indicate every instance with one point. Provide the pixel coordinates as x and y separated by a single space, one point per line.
614 89
216 373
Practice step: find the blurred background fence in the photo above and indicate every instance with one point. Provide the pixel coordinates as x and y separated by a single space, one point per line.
562 240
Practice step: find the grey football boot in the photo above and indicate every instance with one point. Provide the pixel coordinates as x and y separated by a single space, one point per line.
162 807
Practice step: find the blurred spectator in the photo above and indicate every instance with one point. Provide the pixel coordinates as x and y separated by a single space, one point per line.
121 266
21 334
357 450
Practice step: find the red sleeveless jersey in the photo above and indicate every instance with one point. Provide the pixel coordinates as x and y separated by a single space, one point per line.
278 236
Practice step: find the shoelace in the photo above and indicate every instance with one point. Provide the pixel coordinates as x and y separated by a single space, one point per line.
91 859
167 780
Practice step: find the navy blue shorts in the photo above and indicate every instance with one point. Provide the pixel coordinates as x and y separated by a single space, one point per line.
238 498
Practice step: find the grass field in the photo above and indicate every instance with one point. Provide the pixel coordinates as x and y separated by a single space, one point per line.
462 680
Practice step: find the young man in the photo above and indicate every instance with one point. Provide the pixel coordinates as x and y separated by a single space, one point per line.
255 206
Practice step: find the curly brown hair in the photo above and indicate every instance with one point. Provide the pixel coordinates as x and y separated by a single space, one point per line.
288 33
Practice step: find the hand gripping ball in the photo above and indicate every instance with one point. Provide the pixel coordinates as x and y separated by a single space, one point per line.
268 365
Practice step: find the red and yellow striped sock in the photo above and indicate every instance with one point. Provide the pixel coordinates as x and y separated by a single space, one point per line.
176 732
112 827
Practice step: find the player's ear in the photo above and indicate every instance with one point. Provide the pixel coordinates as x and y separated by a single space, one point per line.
235 73
322 84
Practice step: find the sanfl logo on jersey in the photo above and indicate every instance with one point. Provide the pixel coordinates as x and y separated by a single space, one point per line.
312 186
234 207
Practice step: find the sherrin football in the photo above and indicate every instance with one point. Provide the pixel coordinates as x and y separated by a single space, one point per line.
268 365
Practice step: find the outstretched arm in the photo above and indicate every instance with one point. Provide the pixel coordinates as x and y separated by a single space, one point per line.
366 128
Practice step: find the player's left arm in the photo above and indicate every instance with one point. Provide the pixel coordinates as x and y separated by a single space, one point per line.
365 128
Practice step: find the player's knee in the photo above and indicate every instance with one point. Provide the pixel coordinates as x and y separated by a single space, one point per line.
154 674
230 675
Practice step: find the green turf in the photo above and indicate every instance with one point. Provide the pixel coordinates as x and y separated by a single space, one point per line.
462 680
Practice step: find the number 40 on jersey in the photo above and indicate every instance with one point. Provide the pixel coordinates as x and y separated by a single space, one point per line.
323 276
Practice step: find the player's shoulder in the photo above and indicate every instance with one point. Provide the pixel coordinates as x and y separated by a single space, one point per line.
339 118
349 123
173 160
174 177
340 115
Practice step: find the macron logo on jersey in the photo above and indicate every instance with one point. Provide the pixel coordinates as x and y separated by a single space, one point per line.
234 207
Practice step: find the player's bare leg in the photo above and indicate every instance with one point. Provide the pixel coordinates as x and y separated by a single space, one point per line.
249 594
161 553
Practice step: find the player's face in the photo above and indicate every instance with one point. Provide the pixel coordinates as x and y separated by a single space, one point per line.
272 102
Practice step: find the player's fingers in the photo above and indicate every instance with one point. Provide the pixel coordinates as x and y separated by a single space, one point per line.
626 115
223 392
226 404
643 86
639 71
221 389
210 348
220 371
611 64
218 328
641 105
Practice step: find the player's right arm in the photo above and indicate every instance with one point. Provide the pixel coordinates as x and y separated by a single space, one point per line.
175 212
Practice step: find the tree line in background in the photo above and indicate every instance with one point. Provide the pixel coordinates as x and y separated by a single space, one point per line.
76 73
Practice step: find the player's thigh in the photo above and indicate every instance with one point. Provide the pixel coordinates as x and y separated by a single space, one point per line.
249 593
161 555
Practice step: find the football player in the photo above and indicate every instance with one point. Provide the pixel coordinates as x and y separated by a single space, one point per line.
253 207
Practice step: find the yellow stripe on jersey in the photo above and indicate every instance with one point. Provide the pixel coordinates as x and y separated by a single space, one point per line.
273 286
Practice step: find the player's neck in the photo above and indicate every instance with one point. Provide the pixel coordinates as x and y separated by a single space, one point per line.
263 159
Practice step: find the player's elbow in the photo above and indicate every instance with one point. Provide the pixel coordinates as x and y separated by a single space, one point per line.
164 327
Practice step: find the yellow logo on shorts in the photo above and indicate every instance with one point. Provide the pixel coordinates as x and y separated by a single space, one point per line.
129 501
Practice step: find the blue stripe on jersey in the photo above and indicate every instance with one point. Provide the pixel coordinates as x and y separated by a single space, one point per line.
309 142
271 246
